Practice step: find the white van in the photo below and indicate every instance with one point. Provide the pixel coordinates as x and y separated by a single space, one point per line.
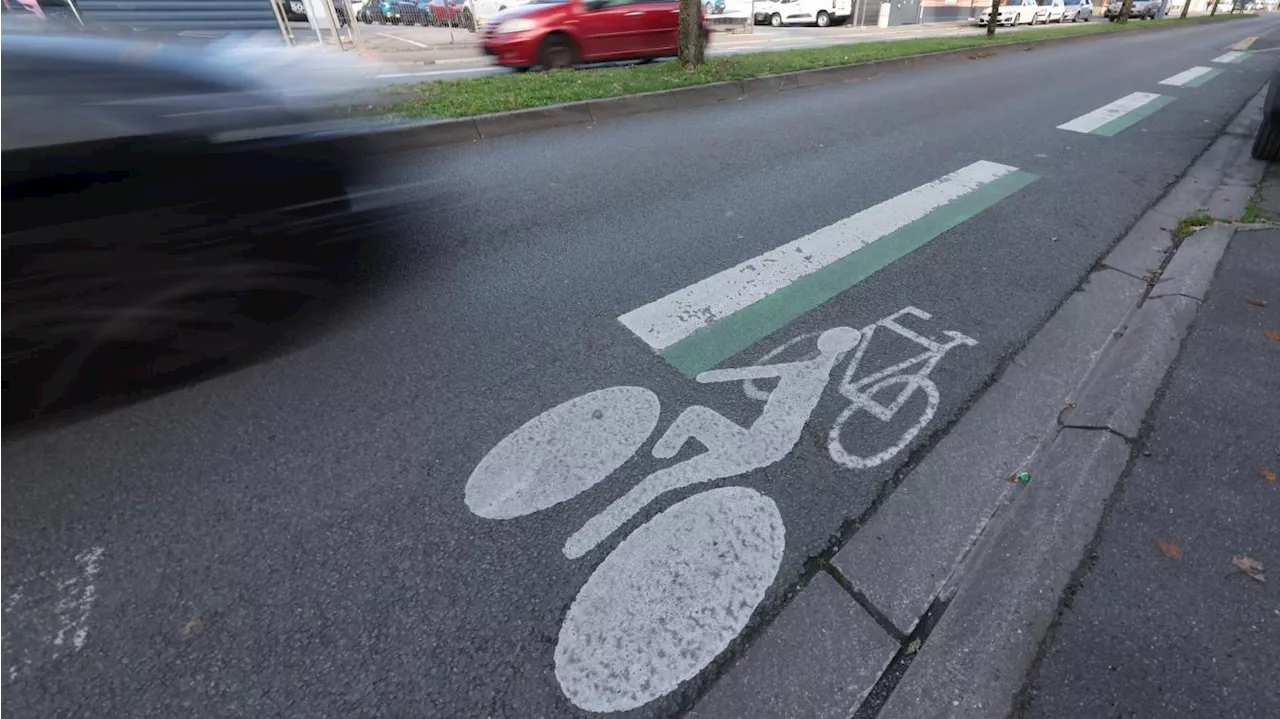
822 13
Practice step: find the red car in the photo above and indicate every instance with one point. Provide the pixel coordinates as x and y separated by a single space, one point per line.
450 13
563 33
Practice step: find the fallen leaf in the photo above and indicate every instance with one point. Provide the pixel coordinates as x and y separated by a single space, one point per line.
193 626
1268 475
914 646
1169 549
1257 302
1250 566
1273 335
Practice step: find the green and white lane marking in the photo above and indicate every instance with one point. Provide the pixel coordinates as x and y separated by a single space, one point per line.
1233 57
1195 77
696 328
1109 120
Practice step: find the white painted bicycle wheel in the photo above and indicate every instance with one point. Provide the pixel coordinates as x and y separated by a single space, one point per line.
562 452
669 599
852 461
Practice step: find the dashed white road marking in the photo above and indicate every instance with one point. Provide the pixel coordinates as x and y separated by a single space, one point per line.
1091 121
48 616
403 39
1186 76
668 320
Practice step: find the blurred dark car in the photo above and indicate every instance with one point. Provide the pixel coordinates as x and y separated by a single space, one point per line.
162 212
1266 143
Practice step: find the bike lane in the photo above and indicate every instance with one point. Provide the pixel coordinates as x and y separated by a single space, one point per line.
465 612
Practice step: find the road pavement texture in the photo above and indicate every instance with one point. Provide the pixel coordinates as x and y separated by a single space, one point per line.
1169 617
444 510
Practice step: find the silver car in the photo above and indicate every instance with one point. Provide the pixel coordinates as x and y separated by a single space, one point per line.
1049 11
1078 11
1139 10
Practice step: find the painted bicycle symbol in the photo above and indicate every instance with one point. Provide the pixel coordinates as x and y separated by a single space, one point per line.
675 592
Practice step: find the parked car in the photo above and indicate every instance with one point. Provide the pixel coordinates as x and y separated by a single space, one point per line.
822 13
1139 10
1078 11
562 33
450 13
164 210
1049 11
395 12
1014 12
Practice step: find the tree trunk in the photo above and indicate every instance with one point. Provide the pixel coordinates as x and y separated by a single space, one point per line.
693 40
1186 5
1214 11
991 21
1124 11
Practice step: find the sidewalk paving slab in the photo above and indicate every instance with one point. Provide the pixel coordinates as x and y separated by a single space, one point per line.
1180 631
1010 589
817 660
904 555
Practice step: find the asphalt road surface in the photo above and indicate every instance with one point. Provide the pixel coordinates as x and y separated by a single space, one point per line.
343 531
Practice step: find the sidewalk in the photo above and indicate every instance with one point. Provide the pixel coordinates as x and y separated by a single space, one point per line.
1160 622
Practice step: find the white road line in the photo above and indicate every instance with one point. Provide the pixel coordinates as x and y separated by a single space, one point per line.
403 39
1229 57
1091 121
1186 76
666 321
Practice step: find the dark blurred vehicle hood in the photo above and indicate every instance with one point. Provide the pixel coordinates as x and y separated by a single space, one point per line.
144 87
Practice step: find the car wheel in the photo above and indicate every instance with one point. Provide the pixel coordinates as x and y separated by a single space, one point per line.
775 20
1266 144
556 53
824 20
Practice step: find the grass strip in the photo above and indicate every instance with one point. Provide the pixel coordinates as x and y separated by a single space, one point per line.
500 93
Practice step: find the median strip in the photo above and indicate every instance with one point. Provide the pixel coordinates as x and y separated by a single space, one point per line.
1195 77
696 328
471 97
1110 119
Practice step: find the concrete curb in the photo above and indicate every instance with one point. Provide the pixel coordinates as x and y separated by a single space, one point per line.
434 133
1003 596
